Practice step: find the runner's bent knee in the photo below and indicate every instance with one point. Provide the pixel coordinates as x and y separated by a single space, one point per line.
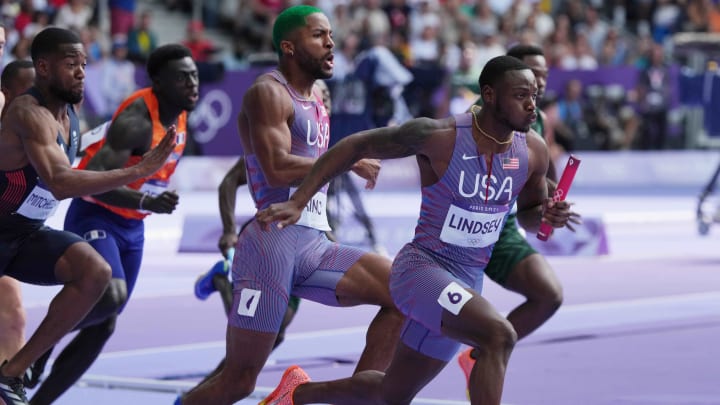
496 335
82 265
113 298
477 324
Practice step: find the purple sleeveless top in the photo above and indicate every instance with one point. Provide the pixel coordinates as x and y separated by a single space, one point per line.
461 215
310 131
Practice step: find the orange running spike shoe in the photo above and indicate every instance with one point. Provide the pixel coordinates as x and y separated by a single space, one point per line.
291 379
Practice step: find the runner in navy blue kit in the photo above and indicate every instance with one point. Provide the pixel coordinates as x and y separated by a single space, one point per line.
473 168
38 141
284 128
113 222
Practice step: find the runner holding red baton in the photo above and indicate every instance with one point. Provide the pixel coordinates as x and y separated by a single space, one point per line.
561 192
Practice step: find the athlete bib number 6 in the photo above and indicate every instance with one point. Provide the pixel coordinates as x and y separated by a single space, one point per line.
454 297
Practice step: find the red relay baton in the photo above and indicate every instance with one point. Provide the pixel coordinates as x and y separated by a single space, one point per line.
561 191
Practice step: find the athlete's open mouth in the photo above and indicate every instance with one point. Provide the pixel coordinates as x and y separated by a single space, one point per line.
329 61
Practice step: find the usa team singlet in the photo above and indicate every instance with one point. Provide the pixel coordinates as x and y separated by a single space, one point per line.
271 265
461 217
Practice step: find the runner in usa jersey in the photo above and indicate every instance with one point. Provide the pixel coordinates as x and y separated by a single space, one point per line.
284 129
216 279
462 214
473 167
310 135
515 265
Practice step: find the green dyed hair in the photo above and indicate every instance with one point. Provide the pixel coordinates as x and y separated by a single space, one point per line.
288 20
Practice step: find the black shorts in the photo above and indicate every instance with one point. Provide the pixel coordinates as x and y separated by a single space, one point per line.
29 250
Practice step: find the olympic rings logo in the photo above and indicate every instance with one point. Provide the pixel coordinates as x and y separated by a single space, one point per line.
212 113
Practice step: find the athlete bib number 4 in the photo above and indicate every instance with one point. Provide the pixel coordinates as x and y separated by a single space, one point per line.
472 229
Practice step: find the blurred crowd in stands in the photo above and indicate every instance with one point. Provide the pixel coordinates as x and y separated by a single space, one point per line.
405 58
445 43
118 37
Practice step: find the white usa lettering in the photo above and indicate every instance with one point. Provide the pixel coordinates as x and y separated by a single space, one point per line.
322 139
479 187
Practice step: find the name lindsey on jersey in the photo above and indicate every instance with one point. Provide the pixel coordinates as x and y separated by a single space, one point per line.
474 227
503 192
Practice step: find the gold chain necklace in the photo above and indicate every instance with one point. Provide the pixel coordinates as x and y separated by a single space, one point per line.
477 125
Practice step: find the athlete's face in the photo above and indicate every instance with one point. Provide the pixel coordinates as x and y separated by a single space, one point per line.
66 69
313 49
538 65
514 100
178 83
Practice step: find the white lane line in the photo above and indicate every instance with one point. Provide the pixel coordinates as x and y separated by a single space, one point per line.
595 315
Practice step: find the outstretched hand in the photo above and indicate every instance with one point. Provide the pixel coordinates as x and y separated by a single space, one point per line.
368 169
155 158
284 213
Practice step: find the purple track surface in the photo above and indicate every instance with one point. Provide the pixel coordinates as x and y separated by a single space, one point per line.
637 326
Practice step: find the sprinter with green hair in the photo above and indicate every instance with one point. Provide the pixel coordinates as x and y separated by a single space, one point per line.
284 128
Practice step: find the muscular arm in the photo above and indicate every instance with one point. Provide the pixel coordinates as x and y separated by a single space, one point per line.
130 132
420 136
267 109
227 191
38 129
535 192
